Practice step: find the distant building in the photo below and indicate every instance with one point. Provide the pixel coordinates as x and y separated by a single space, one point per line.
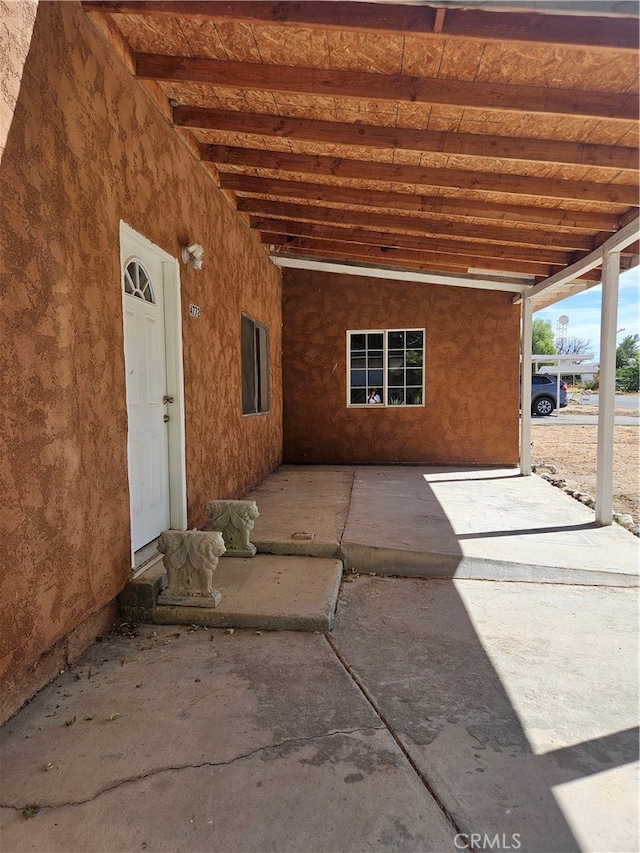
575 372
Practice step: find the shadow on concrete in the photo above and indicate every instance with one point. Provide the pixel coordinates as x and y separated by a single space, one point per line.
492 745
529 531
467 674
439 714
474 471
462 522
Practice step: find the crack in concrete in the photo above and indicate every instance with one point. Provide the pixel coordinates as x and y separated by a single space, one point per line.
346 516
158 771
394 734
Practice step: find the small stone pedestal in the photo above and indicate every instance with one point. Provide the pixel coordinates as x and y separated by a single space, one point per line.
235 520
190 558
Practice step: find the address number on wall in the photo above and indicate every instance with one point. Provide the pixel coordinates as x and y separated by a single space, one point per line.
194 310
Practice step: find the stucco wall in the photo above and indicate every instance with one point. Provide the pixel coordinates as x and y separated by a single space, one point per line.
86 149
471 404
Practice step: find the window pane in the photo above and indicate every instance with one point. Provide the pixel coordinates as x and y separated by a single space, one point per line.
375 378
248 341
358 378
262 352
390 363
396 377
396 397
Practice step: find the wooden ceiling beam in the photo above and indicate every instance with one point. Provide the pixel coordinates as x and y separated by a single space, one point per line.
443 206
569 241
580 269
369 236
394 254
377 171
629 252
388 87
410 139
599 33
377 262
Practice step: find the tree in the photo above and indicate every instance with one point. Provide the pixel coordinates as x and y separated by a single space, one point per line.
628 363
627 348
574 346
629 375
542 338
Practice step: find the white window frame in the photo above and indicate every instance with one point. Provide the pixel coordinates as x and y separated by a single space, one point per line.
384 388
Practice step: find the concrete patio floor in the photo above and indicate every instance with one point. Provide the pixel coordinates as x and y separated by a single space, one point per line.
490 705
409 521
483 523
438 715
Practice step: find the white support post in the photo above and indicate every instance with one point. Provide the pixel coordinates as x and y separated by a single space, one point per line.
525 389
607 389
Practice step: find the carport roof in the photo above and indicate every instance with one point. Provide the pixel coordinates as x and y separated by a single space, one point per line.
486 144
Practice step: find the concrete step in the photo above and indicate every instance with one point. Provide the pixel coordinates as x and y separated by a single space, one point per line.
303 510
397 562
265 592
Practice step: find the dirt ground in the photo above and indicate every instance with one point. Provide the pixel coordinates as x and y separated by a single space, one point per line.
572 449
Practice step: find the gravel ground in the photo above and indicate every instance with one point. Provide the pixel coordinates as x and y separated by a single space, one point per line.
572 449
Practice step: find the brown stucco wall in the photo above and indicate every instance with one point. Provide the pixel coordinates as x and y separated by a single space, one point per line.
85 149
472 365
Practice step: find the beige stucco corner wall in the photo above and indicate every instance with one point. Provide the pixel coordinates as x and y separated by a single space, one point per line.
86 149
472 367
17 18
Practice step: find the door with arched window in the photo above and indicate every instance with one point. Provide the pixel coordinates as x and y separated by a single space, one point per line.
146 382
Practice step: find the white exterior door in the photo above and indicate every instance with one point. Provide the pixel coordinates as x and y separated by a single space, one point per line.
146 382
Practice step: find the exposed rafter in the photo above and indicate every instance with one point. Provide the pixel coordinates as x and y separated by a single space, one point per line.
451 135
619 241
484 248
619 194
601 33
409 139
389 87
569 241
435 205
399 255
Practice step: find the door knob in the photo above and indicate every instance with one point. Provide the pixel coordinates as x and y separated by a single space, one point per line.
166 419
166 399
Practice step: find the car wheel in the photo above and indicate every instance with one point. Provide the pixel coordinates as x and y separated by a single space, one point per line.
543 406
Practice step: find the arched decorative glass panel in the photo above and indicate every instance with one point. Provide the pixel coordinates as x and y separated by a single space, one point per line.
137 282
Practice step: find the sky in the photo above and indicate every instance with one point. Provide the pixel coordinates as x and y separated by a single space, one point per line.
583 311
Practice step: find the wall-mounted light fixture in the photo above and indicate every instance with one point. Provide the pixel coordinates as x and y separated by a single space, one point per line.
193 255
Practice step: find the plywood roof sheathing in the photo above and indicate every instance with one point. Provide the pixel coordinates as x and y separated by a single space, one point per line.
440 133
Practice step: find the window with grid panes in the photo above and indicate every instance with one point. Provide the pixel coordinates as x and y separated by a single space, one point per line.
385 367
